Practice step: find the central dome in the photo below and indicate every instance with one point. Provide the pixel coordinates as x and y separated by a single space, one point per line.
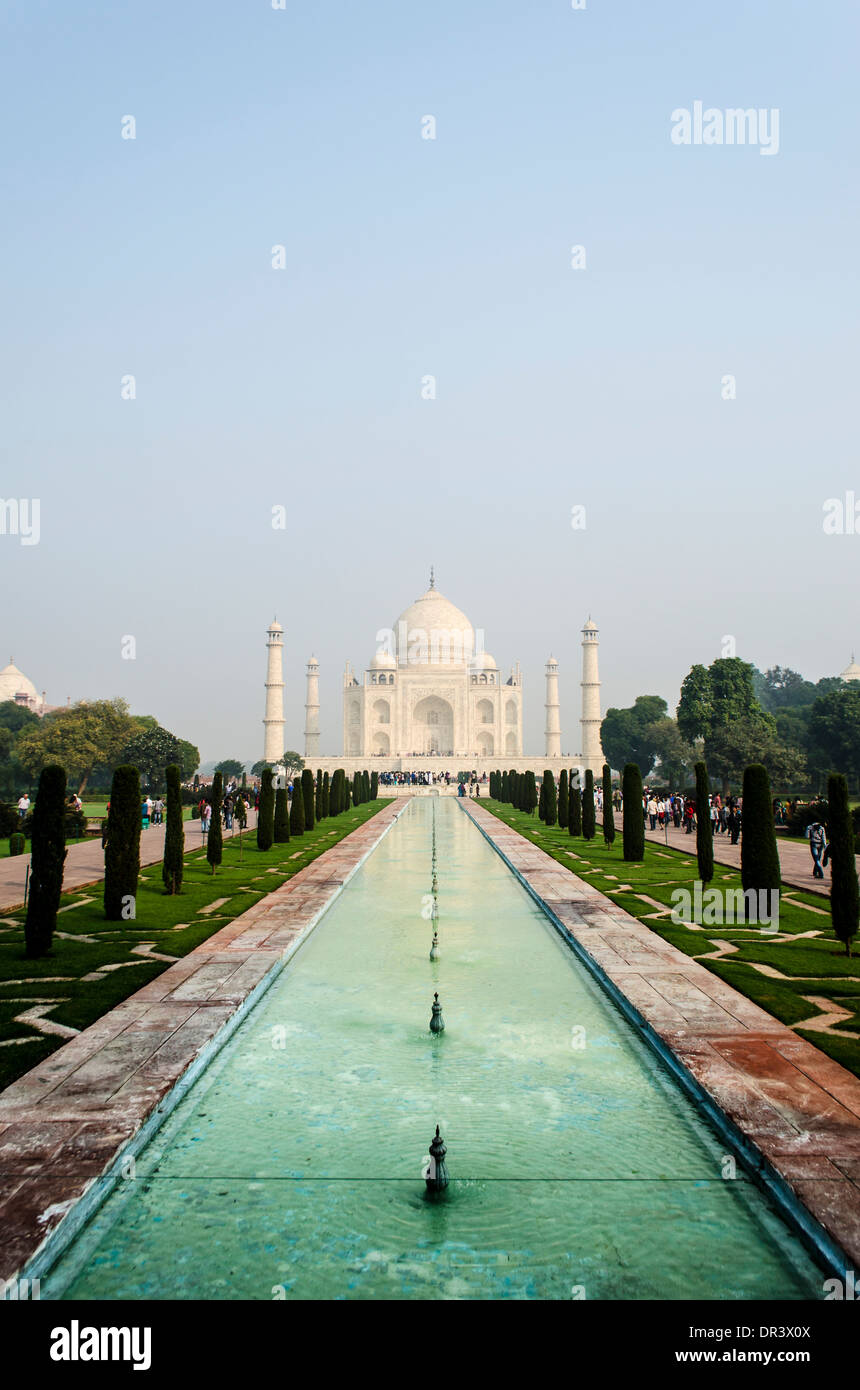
13 683
433 632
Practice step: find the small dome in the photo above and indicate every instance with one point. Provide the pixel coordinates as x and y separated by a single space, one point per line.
275 626
383 661
13 683
482 661
590 626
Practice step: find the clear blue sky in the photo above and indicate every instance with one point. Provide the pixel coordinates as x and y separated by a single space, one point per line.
405 257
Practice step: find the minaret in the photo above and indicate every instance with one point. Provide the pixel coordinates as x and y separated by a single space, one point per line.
273 720
592 753
312 710
553 715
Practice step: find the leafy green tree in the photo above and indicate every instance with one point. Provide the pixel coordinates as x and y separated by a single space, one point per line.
122 847
150 750
625 734
704 833
258 769
716 704
759 855
297 809
47 857
15 717
293 764
189 758
608 812
282 817
266 811
696 707
633 824
834 728
78 738
563 800
844 893
215 839
588 817
173 864
574 824
675 757
731 749
230 767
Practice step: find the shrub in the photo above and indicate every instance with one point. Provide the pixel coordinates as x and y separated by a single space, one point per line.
704 834
844 893
122 851
759 855
633 826
281 831
297 809
10 821
588 817
308 798
48 854
563 800
195 811
173 864
266 812
608 812
215 838
17 843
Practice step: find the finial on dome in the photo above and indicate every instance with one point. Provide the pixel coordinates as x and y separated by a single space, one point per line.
433 578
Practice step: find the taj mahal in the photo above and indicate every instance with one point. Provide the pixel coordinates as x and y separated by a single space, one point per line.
432 696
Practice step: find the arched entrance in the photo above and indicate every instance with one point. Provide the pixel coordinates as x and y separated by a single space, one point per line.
433 726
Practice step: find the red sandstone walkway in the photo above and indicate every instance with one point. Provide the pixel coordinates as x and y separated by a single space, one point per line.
62 1124
85 861
800 1109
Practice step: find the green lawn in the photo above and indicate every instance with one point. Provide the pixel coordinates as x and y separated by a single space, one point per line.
813 965
85 943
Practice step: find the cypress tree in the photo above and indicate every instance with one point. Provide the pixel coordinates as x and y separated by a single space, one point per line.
356 789
608 812
530 793
633 827
844 893
214 840
365 786
326 796
281 828
347 792
759 855
374 786
297 809
318 811
542 799
563 800
574 824
341 790
266 813
550 800
506 785
174 833
514 788
588 817
308 796
704 834
334 793
47 857
122 851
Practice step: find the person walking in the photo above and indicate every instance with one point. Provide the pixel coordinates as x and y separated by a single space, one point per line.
818 847
205 818
652 812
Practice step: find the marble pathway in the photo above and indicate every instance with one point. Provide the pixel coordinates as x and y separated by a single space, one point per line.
62 1123
800 1109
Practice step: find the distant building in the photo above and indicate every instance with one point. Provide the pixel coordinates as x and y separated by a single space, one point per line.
851 672
14 685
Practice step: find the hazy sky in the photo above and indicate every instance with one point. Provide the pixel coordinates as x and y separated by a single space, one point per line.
407 257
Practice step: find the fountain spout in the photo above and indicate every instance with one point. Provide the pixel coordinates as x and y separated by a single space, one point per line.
437 1174
437 1022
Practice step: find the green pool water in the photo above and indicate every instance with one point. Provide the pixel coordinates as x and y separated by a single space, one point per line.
293 1166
